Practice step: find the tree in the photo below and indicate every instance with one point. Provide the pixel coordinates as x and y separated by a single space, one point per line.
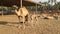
52 2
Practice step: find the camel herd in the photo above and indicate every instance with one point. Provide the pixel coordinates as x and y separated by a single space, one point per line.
25 16
24 13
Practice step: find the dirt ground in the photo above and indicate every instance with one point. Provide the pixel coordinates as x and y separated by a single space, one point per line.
42 26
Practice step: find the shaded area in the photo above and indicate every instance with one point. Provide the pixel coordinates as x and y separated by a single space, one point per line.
17 2
3 22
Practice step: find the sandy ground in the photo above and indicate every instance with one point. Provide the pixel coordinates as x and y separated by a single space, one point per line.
42 26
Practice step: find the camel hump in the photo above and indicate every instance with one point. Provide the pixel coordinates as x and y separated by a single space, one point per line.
24 11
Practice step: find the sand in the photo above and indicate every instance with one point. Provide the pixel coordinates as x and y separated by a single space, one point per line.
42 26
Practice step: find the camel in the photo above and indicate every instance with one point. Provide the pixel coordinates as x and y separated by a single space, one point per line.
22 13
49 14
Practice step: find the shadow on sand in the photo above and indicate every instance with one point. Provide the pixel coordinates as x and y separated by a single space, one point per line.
14 24
5 22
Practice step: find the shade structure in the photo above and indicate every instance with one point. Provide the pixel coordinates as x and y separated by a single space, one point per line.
18 3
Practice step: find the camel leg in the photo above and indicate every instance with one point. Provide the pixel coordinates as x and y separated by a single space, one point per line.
19 22
19 18
23 22
26 18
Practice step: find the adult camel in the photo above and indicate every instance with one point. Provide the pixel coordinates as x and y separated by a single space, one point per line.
22 12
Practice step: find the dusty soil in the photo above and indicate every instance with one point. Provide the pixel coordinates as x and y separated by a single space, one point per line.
42 26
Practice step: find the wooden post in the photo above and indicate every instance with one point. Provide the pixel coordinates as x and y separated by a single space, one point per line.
2 11
21 3
36 8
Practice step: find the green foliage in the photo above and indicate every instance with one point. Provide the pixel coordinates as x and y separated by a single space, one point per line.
49 7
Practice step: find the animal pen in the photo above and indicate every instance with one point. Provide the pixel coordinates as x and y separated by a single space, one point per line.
20 3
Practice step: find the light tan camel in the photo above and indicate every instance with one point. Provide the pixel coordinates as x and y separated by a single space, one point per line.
22 12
